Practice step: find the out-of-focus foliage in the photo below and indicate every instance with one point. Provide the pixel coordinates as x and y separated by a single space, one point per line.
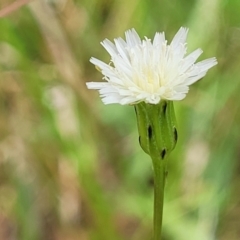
71 168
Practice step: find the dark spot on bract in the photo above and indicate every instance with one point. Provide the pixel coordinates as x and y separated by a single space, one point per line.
150 131
163 153
175 134
139 139
135 109
164 107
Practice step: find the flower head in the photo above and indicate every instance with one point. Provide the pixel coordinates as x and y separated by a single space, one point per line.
148 71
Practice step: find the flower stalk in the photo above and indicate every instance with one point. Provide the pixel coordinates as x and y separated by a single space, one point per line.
160 174
157 137
151 74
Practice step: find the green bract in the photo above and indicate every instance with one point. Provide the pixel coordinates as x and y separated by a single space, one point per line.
157 128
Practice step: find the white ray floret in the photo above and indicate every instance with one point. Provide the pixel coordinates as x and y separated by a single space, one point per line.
149 71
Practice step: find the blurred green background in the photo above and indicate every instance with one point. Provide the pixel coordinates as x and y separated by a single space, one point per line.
71 168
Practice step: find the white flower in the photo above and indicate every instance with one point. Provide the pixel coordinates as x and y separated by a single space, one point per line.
145 70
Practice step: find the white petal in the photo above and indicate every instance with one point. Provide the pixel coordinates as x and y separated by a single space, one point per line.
132 38
195 78
159 39
179 38
110 47
207 64
96 85
121 47
128 100
153 99
110 99
122 66
108 90
183 89
200 69
190 59
100 64
177 97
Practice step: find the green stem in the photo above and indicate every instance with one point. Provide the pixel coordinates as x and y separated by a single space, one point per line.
157 137
159 169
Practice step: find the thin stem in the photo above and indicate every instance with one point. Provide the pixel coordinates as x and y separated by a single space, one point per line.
159 184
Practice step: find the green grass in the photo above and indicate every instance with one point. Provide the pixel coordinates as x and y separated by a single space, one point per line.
71 168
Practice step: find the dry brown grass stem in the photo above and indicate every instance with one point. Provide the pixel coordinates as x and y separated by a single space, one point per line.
13 7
